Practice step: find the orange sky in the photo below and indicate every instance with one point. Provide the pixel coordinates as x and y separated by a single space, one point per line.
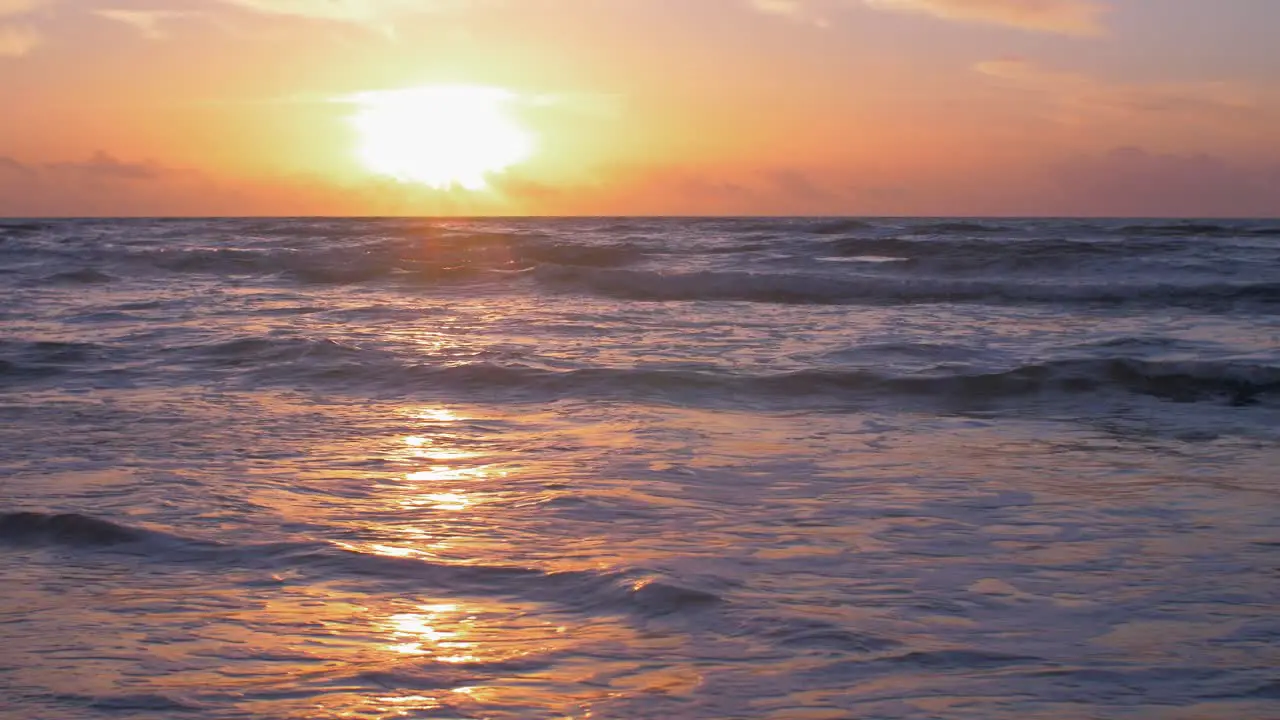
918 107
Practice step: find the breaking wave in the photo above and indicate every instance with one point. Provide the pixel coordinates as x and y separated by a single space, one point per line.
1236 383
345 367
619 591
65 529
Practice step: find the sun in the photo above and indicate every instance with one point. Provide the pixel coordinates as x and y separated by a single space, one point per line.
445 136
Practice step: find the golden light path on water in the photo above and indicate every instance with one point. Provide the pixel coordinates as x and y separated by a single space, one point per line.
464 496
451 493
455 497
500 562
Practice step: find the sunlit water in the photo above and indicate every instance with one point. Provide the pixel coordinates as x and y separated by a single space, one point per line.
639 469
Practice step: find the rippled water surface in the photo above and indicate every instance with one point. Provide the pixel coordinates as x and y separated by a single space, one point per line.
624 468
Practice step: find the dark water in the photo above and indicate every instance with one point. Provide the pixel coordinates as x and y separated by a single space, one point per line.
624 468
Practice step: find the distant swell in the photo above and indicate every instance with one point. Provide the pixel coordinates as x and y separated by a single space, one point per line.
342 367
1239 384
808 289
971 253
21 228
838 227
936 261
1178 229
957 228
438 259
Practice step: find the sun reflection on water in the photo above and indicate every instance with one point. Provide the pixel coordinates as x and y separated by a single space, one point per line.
445 494
447 501
418 634
456 634
436 415
445 473
429 449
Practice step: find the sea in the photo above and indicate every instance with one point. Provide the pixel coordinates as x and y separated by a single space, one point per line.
633 468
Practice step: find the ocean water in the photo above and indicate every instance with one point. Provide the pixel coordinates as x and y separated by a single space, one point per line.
640 468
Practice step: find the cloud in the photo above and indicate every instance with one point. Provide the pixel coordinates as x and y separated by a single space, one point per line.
13 8
100 185
798 10
351 11
800 192
1133 182
18 40
1077 97
146 22
104 166
1126 181
662 190
786 8
105 186
342 10
9 166
1066 17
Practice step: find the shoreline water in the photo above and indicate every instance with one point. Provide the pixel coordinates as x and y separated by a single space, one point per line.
639 468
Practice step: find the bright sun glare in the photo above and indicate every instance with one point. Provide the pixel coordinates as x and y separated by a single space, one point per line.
441 136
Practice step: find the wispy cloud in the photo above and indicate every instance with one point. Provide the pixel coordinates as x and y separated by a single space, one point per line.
10 8
147 22
23 26
1076 96
352 11
18 40
1064 17
1134 182
798 10
787 8
103 165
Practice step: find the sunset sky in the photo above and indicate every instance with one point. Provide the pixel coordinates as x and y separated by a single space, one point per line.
720 107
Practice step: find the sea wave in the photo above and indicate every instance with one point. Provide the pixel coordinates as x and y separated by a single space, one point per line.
629 591
957 228
942 372
1062 249
804 288
837 227
12 229
754 260
1181 229
360 260
434 258
1234 382
83 276
26 527
20 359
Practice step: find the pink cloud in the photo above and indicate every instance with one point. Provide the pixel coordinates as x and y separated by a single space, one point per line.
1132 182
18 40
1066 17
1077 95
